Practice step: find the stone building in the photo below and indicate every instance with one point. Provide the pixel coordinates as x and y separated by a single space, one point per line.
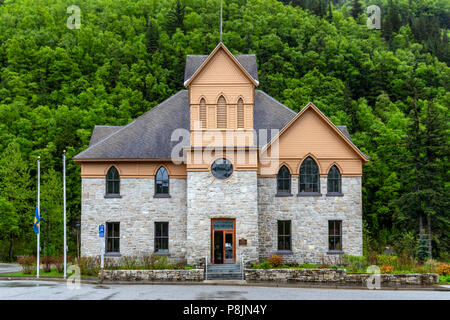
223 171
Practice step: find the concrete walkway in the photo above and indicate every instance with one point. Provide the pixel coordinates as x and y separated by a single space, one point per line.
9 267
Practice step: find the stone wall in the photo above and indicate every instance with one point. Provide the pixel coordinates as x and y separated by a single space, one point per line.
137 211
337 277
309 220
154 275
295 275
209 198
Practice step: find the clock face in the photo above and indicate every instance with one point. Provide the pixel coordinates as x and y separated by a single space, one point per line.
222 168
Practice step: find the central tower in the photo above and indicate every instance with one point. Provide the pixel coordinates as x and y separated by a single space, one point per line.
221 161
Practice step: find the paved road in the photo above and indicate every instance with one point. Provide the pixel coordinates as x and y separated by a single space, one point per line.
9 267
11 290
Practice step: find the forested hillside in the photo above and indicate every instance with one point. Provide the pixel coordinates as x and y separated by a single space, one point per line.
389 86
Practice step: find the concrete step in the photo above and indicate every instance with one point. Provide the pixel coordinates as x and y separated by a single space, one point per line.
225 267
224 276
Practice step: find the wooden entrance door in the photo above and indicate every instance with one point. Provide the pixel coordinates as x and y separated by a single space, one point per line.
223 247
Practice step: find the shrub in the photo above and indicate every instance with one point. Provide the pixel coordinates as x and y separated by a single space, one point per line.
47 263
89 266
354 261
406 243
161 262
386 269
445 256
387 260
307 266
444 279
264 265
275 261
189 267
406 262
130 263
28 263
59 263
443 269
431 265
148 262
292 265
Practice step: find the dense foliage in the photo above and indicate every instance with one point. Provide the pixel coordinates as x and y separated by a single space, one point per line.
389 88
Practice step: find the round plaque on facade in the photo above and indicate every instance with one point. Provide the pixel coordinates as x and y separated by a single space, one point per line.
222 168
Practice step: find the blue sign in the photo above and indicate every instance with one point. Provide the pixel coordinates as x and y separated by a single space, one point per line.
101 230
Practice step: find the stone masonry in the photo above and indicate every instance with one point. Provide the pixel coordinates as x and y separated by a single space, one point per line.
209 198
309 220
137 211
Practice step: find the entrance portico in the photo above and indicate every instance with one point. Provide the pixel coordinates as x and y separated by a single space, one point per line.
223 246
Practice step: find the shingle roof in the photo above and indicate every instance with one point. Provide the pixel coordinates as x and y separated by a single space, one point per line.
146 137
101 132
149 136
248 61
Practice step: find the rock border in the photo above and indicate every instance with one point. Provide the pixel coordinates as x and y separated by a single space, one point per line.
339 277
153 275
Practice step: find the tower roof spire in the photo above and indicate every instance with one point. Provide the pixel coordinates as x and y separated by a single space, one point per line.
220 20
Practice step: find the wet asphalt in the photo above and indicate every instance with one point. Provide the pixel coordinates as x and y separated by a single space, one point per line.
52 290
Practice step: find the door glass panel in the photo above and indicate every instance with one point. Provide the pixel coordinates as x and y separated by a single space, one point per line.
218 246
228 246
220 224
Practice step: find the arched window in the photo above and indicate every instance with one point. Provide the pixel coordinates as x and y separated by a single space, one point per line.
162 182
203 113
334 181
112 182
284 181
221 113
309 177
240 114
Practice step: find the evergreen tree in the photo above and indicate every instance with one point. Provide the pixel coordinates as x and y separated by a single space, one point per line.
422 252
176 17
356 9
151 36
16 197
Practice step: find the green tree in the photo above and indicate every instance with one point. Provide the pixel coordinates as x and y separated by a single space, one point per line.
356 9
16 200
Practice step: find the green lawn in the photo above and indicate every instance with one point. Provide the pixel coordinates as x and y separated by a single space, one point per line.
51 274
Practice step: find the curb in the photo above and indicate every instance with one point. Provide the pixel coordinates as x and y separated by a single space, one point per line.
242 283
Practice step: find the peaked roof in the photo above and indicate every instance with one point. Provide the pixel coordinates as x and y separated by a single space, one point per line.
248 61
149 135
342 131
195 64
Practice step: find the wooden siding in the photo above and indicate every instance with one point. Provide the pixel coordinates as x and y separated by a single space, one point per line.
221 76
132 169
311 135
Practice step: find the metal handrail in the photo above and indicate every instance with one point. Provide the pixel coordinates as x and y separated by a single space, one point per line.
206 267
242 267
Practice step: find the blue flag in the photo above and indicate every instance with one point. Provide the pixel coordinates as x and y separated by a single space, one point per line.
36 221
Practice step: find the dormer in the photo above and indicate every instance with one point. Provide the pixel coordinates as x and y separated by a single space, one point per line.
221 90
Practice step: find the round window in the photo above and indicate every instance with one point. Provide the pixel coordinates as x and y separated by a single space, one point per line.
222 168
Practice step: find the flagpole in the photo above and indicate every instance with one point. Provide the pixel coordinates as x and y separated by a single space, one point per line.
64 187
39 213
